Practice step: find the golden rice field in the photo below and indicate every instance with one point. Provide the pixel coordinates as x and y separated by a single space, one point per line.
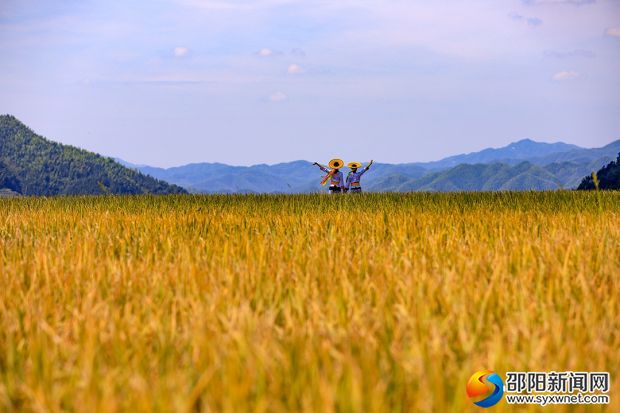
309 303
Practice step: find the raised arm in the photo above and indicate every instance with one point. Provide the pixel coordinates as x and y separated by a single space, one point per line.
324 169
366 168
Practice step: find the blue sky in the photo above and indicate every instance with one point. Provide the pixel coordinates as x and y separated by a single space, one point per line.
244 82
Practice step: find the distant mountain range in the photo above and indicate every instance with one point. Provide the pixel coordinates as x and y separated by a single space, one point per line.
33 165
522 165
523 150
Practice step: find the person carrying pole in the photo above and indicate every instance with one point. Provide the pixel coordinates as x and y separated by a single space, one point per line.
334 175
353 178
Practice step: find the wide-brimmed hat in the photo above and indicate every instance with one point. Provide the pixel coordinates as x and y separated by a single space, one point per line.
354 165
336 163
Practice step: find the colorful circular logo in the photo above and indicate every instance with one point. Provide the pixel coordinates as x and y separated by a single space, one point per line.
485 388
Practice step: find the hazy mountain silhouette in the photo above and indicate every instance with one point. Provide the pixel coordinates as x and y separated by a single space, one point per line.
523 165
524 149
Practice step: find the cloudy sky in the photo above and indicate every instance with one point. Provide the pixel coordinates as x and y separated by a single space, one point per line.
168 82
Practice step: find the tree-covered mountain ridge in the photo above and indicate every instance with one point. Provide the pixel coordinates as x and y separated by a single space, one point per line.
608 177
33 165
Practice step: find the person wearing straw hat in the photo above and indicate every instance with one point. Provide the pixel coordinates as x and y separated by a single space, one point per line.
334 175
353 178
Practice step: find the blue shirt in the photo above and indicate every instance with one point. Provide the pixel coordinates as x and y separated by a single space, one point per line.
354 178
337 179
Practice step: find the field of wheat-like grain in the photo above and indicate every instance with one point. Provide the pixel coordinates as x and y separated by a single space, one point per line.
369 303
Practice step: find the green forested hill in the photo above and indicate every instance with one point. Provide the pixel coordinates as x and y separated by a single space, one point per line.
33 165
8 180
608 176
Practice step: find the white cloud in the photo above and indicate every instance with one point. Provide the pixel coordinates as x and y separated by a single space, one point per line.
531 21
613 31
278 97
469 29
181 51
294 69
565 75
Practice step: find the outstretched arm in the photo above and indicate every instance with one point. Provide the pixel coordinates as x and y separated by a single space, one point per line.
324 169
366 168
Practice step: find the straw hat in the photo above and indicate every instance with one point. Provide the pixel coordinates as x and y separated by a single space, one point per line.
336 163
354 165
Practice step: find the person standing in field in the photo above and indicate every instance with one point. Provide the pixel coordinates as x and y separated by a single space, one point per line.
334 175
353 178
